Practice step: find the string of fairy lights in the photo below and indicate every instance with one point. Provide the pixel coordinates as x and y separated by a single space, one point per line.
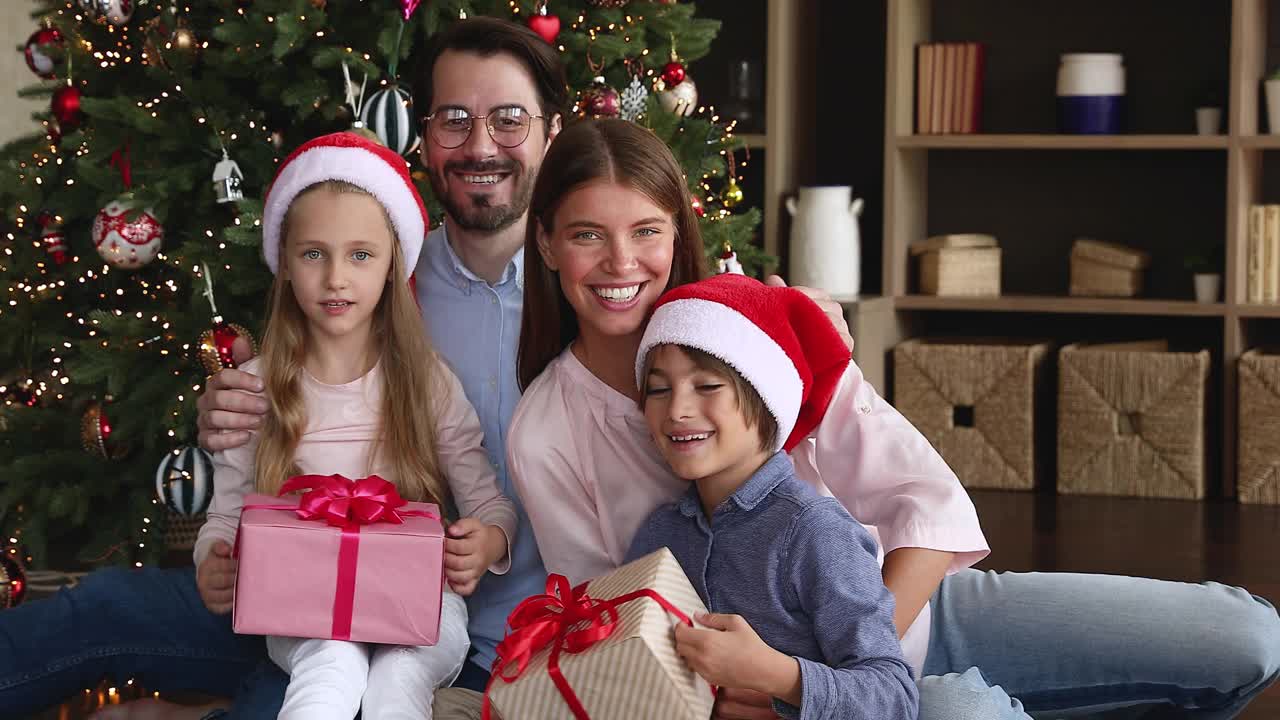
132 46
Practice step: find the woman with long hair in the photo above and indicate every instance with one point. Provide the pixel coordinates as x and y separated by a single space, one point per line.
611 228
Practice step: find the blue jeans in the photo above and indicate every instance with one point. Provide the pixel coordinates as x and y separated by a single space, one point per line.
1072 644
148 624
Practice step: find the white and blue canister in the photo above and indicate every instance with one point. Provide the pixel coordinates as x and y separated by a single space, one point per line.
1091 94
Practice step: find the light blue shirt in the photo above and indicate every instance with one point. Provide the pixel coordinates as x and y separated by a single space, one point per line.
476 327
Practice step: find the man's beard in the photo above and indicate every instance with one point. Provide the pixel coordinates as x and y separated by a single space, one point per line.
479 215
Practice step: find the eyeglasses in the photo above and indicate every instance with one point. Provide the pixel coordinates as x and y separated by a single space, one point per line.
508 126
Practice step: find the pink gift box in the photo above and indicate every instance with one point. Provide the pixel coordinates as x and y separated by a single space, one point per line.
288 582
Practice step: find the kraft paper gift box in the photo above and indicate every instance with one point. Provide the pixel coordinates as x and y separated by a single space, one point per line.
632 673
379 582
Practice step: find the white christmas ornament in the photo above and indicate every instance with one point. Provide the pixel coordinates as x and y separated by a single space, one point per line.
184 480
389 114
681 99
124 242
634 99
117 12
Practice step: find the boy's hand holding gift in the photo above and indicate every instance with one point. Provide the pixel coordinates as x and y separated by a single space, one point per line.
469 550
727 653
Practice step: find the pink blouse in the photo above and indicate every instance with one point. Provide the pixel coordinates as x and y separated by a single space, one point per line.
589 474
342 423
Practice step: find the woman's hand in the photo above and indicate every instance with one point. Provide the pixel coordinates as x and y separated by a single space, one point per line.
470 548
833 310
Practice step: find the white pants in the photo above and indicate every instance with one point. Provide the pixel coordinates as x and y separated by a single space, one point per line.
332 679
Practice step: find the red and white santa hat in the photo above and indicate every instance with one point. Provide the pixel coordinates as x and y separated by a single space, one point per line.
361 162
778 339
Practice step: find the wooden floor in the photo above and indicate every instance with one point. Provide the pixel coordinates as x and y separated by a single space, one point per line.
1166 539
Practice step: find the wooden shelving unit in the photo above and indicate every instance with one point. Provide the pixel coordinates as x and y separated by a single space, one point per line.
1231 165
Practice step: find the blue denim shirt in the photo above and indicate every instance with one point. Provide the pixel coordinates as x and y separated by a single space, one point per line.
804 575
476 326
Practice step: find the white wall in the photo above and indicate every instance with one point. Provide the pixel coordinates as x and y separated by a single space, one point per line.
16 25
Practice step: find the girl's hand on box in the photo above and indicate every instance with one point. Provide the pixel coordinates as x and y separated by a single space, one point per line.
469 549
216 579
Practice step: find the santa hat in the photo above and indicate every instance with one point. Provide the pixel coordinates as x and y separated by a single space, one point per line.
351 158
778 339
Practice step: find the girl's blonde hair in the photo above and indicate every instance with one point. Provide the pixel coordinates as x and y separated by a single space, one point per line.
411 379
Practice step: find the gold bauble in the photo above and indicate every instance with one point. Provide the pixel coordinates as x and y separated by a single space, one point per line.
185 40
96 432
732 194
215 345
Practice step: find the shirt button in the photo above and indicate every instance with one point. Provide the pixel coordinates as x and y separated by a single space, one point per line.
493 301
864 407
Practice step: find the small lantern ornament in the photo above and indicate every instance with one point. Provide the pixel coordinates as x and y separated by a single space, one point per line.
227 179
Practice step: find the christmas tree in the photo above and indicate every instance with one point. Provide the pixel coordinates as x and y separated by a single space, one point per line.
129 239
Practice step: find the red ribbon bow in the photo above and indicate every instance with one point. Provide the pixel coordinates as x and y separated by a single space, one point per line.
342 503
546 619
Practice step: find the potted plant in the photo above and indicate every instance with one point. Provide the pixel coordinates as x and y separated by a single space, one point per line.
1272 85
1205 266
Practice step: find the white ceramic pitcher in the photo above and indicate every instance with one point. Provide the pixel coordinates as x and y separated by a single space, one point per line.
825 248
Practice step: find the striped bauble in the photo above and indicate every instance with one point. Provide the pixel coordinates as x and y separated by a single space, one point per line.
389 114
184 480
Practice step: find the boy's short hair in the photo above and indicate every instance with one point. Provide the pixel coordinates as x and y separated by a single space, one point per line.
750 403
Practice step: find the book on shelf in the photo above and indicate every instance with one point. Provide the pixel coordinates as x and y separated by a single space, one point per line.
1262 255
949 87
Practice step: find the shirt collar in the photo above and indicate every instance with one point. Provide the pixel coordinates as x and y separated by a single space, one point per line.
757 487
464 278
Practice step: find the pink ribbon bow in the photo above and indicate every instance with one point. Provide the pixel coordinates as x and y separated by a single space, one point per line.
342 503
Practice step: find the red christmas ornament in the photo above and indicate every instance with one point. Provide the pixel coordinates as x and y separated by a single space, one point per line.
52 237
13 580
673 73
215 345
95 433
65 107
42 47
697 207
547 26
126 239
601 101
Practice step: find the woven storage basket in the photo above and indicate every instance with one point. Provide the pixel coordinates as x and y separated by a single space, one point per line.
1131 420
180 531
1258 465
1093 279
960 271
975 402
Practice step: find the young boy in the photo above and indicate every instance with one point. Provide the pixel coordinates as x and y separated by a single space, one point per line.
733 375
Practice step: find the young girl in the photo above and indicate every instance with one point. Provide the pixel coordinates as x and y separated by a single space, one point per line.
356 390
610 229
732 373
